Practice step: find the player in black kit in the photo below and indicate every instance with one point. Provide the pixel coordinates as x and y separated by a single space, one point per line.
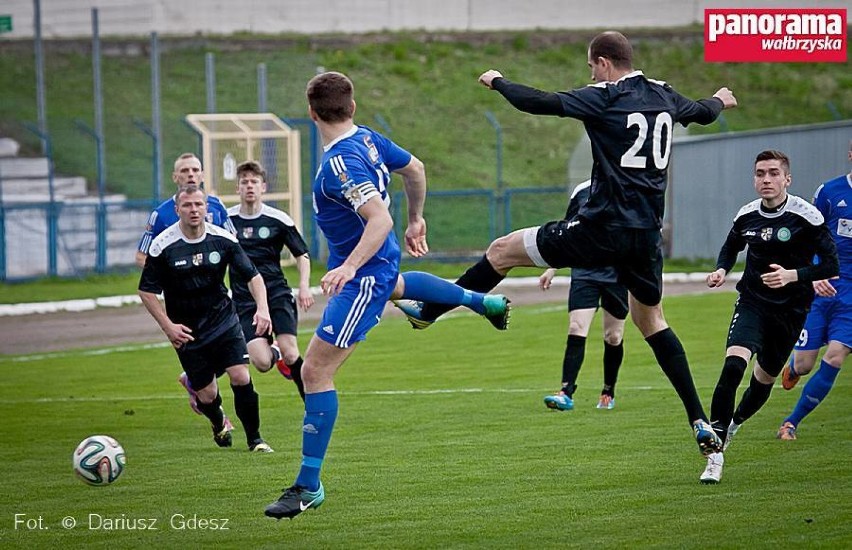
629 120
186 263
782 233
263 232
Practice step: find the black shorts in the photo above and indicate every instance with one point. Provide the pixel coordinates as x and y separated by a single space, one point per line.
636 254
588 294
769 333
285 318
203 364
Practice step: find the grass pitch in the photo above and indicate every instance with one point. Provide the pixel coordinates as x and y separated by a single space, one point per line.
442 442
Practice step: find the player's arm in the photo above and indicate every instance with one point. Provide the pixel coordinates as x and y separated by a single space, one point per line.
149 290
829 264
303 265
378 226
145 241
521 97
704 111
414 180
726 259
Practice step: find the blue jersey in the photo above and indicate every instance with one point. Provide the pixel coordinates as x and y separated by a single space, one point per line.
165 216
355 168
834 200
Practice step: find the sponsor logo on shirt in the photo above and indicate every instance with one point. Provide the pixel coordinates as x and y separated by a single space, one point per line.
372 151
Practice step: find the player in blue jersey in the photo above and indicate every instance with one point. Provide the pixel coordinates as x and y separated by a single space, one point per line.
187 263
263 232
590 289
830 319
350 201
629 119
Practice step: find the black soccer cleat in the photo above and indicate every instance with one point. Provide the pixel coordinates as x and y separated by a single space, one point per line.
294 501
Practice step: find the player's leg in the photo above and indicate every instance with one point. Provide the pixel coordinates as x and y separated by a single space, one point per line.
285 321
579 322
347 318
614 303
779 330
813 337
817 388
425 287
516 249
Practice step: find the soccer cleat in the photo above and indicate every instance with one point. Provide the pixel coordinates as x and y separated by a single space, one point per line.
412 310
497 310
787 431
732 431
193 397
706 438
559 402
606 402
294 501
713 472
223 436
789 378
282 367
260 446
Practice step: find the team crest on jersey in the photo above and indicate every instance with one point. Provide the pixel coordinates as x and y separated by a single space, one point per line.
343 177
215 257
208 217
766 233
197 259
783 234
372 151
263 232
248 232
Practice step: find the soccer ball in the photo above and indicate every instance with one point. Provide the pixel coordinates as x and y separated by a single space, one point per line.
98 460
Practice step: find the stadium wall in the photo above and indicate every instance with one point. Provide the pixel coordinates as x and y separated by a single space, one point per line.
72 18
705 194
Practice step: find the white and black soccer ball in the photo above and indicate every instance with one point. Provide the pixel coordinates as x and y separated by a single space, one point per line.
98 460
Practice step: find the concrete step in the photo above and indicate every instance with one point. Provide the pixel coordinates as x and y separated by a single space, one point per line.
62 187
21 167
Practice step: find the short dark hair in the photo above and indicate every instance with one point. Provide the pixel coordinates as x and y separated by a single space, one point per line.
251 166
190 189
614 46
330 96
772 154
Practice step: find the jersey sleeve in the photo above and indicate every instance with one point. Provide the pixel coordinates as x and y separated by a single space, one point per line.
240 262
220 215
584 103
733 245
148 235
395 157
528 99
293 240
703 111
352 179
828 265
150 279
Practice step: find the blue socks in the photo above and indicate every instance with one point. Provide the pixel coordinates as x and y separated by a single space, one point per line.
320 414
426 287
814 392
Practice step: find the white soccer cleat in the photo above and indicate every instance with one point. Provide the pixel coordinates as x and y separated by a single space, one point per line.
713 472
732 431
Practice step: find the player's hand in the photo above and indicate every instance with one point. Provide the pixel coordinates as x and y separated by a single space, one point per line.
488 77
306 299
262 323
727 97
824 288
178 335
779 276
546 278
716 278
415 238
334 281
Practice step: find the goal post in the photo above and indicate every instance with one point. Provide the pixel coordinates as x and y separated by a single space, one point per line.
227 139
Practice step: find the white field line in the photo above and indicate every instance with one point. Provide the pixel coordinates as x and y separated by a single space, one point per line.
119 301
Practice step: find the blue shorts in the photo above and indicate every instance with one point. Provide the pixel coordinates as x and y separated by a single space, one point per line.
829 319
350 315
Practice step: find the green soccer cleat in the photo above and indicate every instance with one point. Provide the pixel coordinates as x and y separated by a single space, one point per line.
497 310
559 402
294 501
